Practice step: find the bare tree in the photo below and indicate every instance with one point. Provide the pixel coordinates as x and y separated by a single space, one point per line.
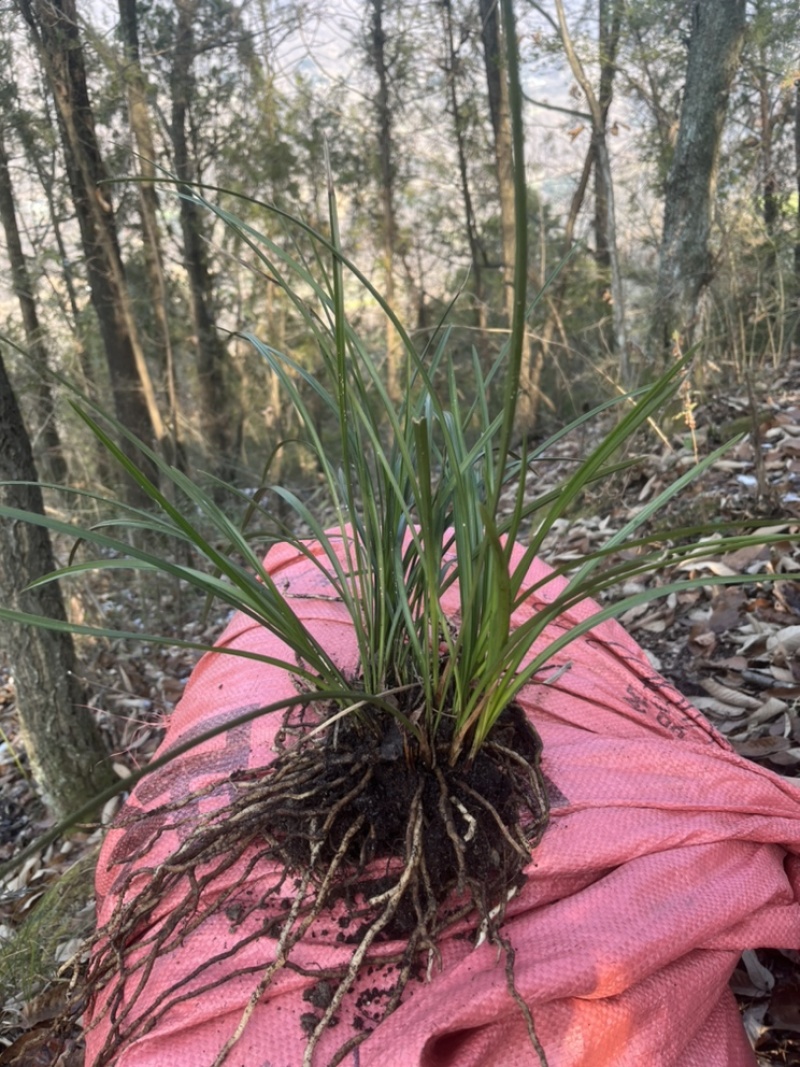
477 252
603 164
380 62
497 89
62 740
51 452
221 421
139 119
797 213
609 28
54 27
685 271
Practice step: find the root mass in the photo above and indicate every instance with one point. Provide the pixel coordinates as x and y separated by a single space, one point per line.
398 848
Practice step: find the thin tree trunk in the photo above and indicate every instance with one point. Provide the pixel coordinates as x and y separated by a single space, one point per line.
685 269
52 455
220 414
47 180
497 88
64 745
383 116
476 252
603 163
139 118
45 161
609 27
100 460
553 323
500 115
797 213
54 26
576 203
769 183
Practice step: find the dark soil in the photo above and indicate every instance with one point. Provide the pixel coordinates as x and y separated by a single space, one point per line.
471 811
362 819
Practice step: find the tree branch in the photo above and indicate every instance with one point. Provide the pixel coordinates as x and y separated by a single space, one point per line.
554 107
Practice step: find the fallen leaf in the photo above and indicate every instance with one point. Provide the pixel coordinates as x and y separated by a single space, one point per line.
728 605
784 1004
702 642
761 746
718 707
787 639
761 977
728 695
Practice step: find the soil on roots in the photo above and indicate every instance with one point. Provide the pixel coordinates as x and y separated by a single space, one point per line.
396 843
479 818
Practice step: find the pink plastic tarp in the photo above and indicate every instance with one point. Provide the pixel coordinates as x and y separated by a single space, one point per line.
666 856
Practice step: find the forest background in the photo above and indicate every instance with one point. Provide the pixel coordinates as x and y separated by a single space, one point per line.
138 295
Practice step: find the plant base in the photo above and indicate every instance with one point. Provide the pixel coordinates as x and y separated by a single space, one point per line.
358 823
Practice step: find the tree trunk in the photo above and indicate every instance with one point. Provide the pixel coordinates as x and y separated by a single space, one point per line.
220 414
685 269
64 745
52 456
609 26
603 164
68 302
139 118
797 213
383 117
769 184
54 26
476 251
31 144
500 114
497 88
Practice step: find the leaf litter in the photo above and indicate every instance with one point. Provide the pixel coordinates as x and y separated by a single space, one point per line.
734 652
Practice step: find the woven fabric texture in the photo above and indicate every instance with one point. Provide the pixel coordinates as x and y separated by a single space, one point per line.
666 856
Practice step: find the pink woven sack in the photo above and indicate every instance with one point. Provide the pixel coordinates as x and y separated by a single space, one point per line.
666 856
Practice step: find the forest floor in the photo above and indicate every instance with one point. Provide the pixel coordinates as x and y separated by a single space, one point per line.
734 651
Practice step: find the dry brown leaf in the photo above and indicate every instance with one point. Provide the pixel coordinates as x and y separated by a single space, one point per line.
727 695
742 558
753 637
768 710
727 608
40 1048
784 1005
701 641
783 674
787 639
730 663
761 746
732 465
47 1005
634 613
718 707
715 566
788 758
788 593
